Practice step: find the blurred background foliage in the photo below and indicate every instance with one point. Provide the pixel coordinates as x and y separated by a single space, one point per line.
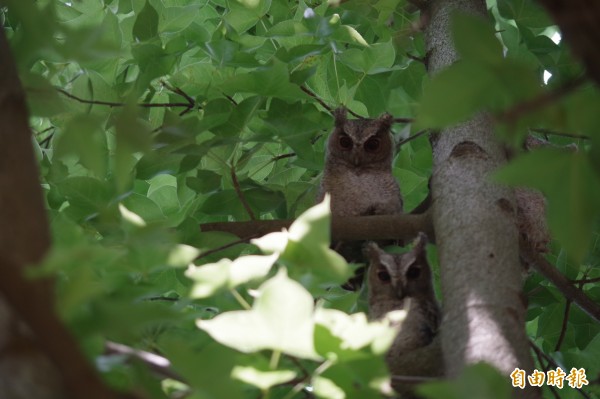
150 117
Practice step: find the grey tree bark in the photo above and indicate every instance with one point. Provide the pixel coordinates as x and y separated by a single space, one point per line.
476 233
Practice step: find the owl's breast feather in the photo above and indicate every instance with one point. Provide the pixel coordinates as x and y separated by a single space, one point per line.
363 194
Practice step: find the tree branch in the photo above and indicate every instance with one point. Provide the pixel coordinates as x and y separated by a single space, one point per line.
562 283
586 280
539 355
565 324
513 114
563 134
240 194
319 100
351 228
410 138
224 247
158 364
189 105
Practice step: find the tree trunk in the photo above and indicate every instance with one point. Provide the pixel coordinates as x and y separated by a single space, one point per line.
25 371
39 358
476 233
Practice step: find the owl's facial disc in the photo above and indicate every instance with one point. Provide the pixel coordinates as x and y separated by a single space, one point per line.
413 272
372 145
383 275
345 142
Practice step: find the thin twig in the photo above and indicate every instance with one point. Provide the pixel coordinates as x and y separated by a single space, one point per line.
231 100
354 114
562 134
46 142
159 364
565 324
513 114
561 282
319 100
240 194
118 104
586 280
43 131
404 120
415 58
162 298
183 94
539 355
224 247
539 352
410 138
283 156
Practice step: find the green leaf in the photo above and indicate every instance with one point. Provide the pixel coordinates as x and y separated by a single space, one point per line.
374 59
244 14
572 187
475 40
270 81
88 195
365 377
204 182
477 381
213 277
176 19
524 12
261 378
453 95
280 320
42 98
239 118
306 244
84 136
146 23
346 335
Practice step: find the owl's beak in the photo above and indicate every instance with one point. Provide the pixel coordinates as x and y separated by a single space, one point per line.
356 159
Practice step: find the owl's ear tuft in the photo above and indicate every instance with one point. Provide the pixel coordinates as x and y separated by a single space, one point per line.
420 242
341 115
418 251
372 251
385 121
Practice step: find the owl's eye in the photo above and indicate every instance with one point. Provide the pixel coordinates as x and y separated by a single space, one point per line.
413 272
372 144
346 142
383 275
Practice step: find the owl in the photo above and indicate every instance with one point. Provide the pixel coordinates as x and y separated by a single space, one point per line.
404 282
358 167
358 176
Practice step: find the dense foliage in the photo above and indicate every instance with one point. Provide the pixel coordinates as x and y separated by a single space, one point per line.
150 117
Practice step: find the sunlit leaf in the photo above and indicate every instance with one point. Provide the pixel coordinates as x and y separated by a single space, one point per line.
305 245
210 278
262 379
281 319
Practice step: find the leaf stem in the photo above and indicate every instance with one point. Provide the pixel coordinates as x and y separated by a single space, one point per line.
240 299
275 359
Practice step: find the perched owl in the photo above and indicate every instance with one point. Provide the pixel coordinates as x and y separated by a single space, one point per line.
404 282
358 167
358 176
